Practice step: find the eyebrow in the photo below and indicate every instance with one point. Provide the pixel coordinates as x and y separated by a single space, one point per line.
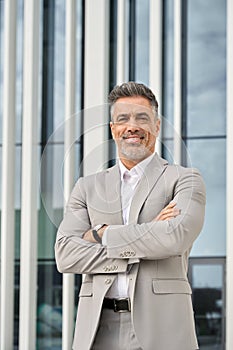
142 113
128 114
122 115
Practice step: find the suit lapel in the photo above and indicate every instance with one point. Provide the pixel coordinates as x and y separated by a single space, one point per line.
149 179
113 194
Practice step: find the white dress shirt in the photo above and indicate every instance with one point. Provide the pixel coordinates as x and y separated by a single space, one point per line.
119 288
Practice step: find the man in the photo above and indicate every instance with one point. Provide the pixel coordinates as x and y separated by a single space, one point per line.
130 229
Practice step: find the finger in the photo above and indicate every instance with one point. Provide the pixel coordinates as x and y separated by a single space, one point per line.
169 210
168 215
171 205
168 207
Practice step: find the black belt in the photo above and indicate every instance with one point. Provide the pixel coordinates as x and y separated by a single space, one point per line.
118 305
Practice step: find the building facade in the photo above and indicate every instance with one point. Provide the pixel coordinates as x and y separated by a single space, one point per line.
59 60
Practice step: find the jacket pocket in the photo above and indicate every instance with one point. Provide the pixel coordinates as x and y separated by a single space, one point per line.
86 289
169 286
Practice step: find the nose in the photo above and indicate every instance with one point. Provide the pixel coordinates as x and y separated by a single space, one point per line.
132 128
132 125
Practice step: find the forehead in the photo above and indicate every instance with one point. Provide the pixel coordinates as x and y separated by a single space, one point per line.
132 104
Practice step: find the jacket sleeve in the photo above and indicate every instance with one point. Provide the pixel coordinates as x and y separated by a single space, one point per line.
162 239
72 253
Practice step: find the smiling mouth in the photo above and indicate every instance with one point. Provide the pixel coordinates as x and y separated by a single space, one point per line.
133 139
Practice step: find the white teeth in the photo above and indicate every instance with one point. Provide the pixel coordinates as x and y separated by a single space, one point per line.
132 140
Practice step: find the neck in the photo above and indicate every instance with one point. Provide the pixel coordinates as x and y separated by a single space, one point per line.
129 164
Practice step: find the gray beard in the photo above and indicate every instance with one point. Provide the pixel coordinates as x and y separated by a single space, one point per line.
134 152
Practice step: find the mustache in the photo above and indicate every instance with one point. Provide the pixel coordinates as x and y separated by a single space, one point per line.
139 134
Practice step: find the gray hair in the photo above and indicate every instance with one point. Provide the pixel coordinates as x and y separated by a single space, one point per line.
131 89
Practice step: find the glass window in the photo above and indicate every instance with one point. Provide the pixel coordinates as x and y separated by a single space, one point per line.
207 278
209 156
49 308
206 68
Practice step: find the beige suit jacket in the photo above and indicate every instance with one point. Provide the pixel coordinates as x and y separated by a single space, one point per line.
160 293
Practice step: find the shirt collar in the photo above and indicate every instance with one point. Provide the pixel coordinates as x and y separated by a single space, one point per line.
138 169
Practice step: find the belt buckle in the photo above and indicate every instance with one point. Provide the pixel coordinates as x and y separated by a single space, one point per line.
119 299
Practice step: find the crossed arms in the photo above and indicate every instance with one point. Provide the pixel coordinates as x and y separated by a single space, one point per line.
170 233
167 213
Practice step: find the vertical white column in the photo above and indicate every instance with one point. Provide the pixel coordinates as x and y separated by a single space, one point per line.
121 9
8 179
96 80
229 191
28 256
69 162
177 81
155 59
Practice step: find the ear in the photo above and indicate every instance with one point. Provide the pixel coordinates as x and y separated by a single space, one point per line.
157 127
112 127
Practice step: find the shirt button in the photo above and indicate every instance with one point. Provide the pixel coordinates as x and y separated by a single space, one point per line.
108 281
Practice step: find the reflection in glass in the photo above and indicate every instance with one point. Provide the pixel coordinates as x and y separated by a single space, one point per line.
206 67
209 157
208 302
49 297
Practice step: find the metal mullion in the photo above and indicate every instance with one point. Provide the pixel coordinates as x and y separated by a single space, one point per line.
29 210
229 187
121 14
69 162
132 38
8 178
155 61
178 81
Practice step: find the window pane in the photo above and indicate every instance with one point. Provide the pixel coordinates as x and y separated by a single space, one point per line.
208 297
49 311
206 67
209 157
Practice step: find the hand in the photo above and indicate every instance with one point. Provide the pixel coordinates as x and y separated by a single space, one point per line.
101 230
169 212
88 236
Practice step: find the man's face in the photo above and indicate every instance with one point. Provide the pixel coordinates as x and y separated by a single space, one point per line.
134 128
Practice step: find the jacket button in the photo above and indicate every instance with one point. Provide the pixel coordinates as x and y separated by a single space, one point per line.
108 281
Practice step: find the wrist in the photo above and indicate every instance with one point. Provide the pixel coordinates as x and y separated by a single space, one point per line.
96 236
97 232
